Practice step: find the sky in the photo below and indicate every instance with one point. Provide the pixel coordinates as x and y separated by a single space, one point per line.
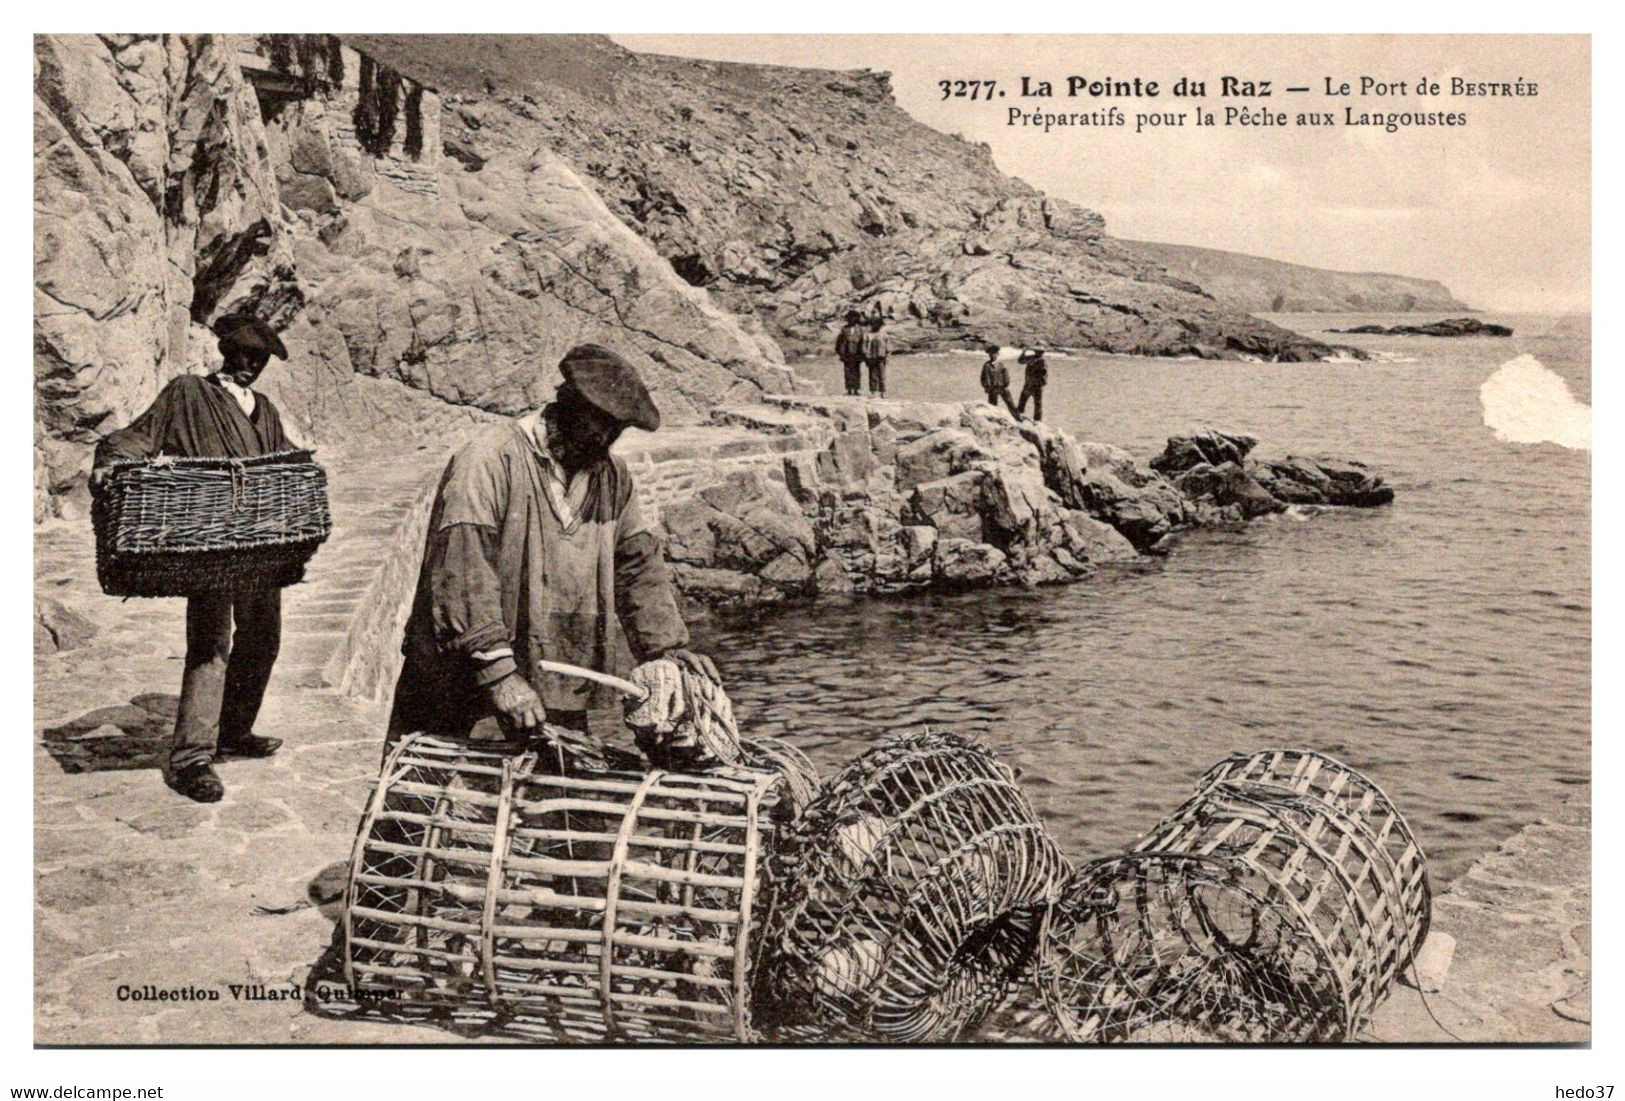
1499 209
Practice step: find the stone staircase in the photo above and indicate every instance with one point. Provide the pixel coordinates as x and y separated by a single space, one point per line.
380 505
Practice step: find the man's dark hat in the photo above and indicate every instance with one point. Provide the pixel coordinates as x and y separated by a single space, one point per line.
610 383
248 334
853 315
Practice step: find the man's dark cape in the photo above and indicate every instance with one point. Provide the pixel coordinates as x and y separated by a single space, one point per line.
195 417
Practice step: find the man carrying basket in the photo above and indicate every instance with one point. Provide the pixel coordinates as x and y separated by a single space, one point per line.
216 416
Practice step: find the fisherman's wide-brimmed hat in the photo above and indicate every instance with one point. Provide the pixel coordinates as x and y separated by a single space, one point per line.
248 335
611 384
854 315
1031 354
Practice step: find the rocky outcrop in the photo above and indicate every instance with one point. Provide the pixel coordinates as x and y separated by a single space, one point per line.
888 497
156 210
1456 326
1258 285
1214 469
792 194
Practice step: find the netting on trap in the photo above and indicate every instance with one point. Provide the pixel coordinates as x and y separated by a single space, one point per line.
607 904
1268 908
906 898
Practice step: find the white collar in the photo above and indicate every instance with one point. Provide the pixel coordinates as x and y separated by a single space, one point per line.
243 395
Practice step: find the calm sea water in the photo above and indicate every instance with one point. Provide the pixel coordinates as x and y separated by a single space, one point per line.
1441 645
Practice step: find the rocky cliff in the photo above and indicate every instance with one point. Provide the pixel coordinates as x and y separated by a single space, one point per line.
429 255
156 209
792 194
1257 285
182 177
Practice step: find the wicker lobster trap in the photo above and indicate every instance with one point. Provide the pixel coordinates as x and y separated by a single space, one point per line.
189 527
906 899
603 905
1277 905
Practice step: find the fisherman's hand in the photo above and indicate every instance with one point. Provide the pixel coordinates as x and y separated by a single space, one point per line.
517 703
98 478
695 663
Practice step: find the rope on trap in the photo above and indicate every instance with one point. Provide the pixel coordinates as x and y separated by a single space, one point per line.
1276 905
906 898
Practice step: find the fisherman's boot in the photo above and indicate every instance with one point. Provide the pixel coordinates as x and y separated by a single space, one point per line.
197 782
249 745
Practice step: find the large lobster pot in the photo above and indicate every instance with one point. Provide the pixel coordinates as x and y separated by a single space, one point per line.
607 905
1277 905
192 527
906 899
1402 916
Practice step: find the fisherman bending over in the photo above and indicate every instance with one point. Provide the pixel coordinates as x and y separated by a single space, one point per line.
226 671
538 549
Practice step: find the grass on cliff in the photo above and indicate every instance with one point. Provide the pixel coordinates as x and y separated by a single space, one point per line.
499 63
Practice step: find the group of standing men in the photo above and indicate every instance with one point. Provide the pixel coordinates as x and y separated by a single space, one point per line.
996 381
862 342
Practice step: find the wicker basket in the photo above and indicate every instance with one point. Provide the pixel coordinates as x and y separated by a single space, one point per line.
191 527
905 900
610 905
1277 905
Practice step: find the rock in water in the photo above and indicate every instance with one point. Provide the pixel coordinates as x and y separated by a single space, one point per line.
1456 326
1204 446
1228 486
901 496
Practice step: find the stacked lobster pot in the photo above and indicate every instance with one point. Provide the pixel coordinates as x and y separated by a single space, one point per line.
906 899
604 903
1277 905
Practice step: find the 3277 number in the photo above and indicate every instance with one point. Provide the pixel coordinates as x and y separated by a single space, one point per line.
967 89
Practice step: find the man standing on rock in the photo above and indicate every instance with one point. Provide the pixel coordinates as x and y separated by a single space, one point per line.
996 380
875 351
1033 382
223 685
849 347
539 549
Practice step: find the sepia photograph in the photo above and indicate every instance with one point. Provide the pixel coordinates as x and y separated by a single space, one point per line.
855 540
